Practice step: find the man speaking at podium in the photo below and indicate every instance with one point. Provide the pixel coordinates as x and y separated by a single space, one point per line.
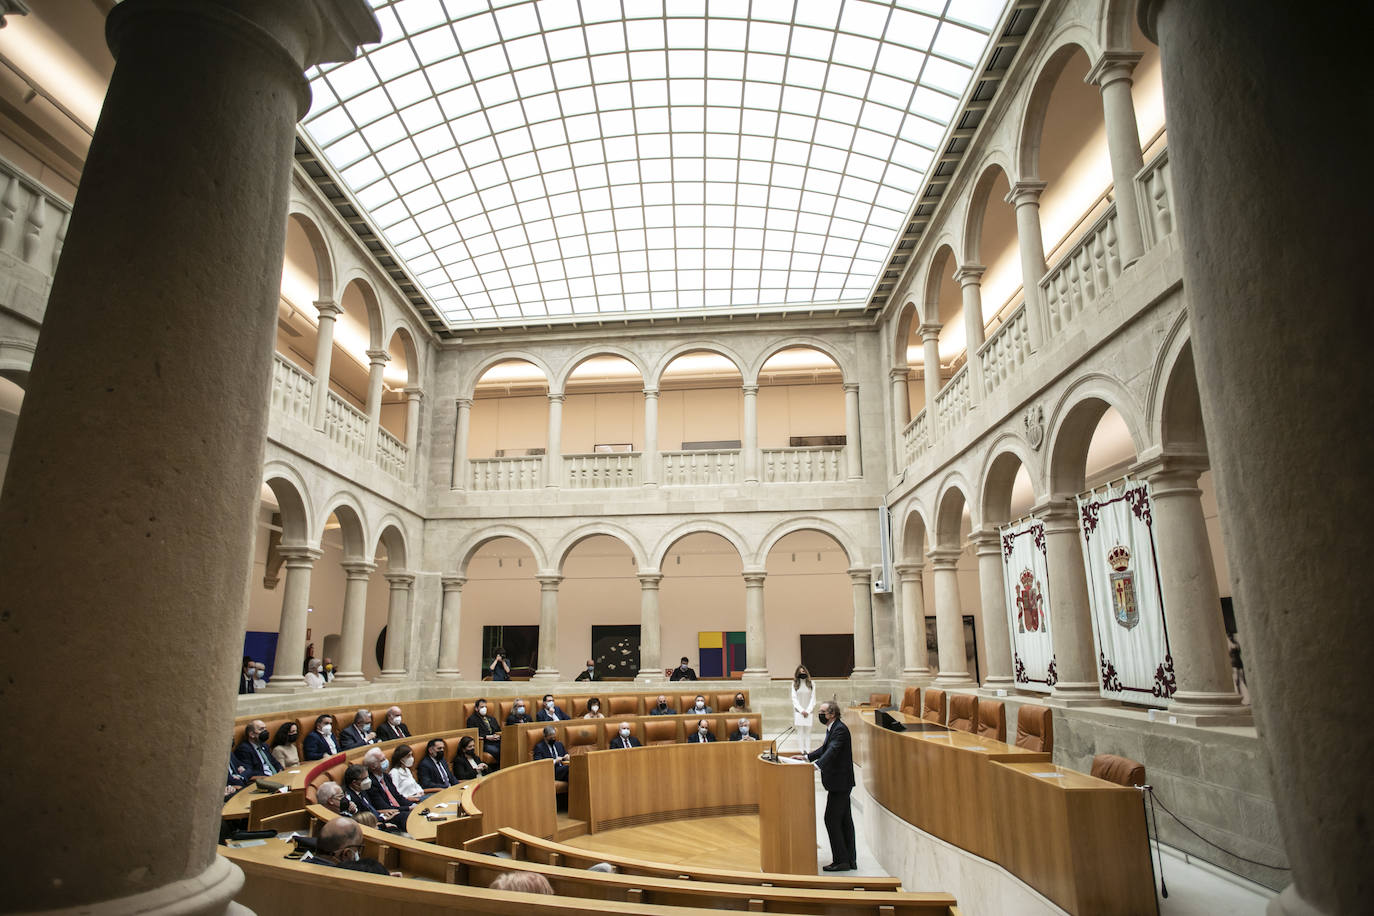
836 763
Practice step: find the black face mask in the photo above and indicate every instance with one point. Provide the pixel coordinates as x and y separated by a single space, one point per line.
821 718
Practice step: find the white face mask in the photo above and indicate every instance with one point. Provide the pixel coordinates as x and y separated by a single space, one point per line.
395 721
408 762
326 728
386 765
549 705
624 733
520 709
701 730
744 729
596 706
701 704
365 784
481 710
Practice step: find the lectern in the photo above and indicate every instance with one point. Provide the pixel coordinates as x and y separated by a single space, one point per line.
787 816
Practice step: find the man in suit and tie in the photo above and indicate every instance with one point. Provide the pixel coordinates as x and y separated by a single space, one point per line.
393 728
356 785
702 735
320 743
836 763
549 711
248 676
743 733
252 754
433 772
589 673
624 739
360 732
552 749
380 794
488 730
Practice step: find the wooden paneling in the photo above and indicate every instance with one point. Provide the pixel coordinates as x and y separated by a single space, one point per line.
787 817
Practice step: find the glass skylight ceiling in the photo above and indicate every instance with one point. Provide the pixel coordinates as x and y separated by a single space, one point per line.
546 160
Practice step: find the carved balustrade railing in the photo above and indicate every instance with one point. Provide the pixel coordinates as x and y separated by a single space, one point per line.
706 467
811 464
292 389
601 469
502 474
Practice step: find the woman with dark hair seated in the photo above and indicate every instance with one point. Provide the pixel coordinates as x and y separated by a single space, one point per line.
320 743
284 745
466 763
594 709
402 774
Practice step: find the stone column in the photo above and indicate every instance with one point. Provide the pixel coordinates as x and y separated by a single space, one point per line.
548 625
324 357
377 360
996 637
755 626
553 452
649 460
650 629
930 340
853 449
352 630
413 397
295 610
1075 652
751 434
148 397
861 583
970 278
1025 197
1112 76
450 627
917 661
397 627
901 400
458 475
949 619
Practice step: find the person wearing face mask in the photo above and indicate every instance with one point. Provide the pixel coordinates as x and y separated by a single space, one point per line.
313 673
803 703
402 774
357 783
683 672
252 753
260 677
699 706
624 739
320 743
331 795
588 673
393 728
594 710
434 773
743 732
549 711
340 845
360 732
702 734
466 763
552 749
836 763
519 715
488 731
661 707
327 669
246 677
388 802
284 745
740 704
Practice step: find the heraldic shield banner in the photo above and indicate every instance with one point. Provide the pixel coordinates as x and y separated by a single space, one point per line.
1026 577
1117 526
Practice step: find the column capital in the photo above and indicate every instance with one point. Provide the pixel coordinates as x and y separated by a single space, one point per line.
327 309
754 577
750 390
453 583
860 575
400 578
378 357
413 392
899 373
969 274
548 580
1057 514
649 578
299 556
944 557
651 392
463 403
1025 193
1172 475
557 397
1111 67
929 331
358 569
986 540
851 387
909 572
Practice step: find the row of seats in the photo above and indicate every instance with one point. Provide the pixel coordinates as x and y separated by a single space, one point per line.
982 716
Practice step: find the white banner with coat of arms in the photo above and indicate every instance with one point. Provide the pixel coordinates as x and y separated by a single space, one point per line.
1117 527
1025 575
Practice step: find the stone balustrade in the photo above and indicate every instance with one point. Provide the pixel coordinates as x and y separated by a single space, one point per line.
1082 276
916 437
812 464
392 454
1006 350
952 403
601 469
488 475
1154 192
292 389
702 468
345 425
33 220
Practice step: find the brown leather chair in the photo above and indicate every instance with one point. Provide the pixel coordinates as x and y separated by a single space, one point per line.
963 712
727 725
623 705
579 739
992 720
911 701
659 731
575 706
1035 728
331 769
723 701
611 730
1121 770
880 699
933 706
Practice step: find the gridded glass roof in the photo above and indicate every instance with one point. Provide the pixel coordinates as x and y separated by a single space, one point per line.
547 160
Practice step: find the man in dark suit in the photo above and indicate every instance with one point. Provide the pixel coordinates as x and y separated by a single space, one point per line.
488 731
661 707
380 794
743 733
320 743
836 763
252 754
683 672
549 711
356 784
433 771
360 732
624 739
588 673
552 749
247 676
393 727
702 735
519 714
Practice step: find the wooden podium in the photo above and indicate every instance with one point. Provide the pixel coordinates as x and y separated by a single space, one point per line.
787 816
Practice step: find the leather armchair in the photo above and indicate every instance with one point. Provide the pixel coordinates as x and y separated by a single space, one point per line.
1035 728
963 712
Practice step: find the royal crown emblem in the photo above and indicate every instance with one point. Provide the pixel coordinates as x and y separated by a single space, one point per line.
1030 616
1124 607
1119 558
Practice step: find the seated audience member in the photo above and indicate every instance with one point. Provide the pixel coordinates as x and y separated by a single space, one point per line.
327 669
380 795
594 709
237 778
364 819
699 706
252 753
683 672
500 666
356 783
314 676
284 745
552 749
588 673
524 882
434 772
606 868
488 729
260 677
519 715
340 845
467 763
624 739
360 732
550 711
743 733
661 707
402 774
320 743
332 796
248 677
393 728
740 704
702 735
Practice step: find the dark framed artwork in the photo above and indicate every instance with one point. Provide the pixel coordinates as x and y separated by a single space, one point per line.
521 644
970 647
828 654
615 650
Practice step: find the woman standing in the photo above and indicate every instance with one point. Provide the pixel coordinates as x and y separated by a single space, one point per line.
803 702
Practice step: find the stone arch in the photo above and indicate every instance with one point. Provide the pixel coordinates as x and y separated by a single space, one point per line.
949 511
709 346
412 351
469 385
475 543
319 244
352 523
392 535
1162 397
943 261
1115 24
994 164
1065 43
372 303
581 356
582 532
809 343
1005 458
915 528
293 499
902 332
703 526
808 523
1073 421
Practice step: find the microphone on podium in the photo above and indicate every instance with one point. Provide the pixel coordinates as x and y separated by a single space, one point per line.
777 742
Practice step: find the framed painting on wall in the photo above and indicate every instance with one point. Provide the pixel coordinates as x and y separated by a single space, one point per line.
615 650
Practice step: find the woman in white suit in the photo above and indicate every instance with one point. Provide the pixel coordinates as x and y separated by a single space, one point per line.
803 703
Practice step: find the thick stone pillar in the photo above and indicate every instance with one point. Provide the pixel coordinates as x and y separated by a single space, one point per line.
861 583
450 626
970 278
650 629
1112 76
397 627
295 610
413 399
145 414
649 459
755 626
553 452
949 619
458 475
1276 274
916 662
352 630
930 343
377 360
996 636
548 625
751 434
324 357
853 449
1025 197
1075 653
